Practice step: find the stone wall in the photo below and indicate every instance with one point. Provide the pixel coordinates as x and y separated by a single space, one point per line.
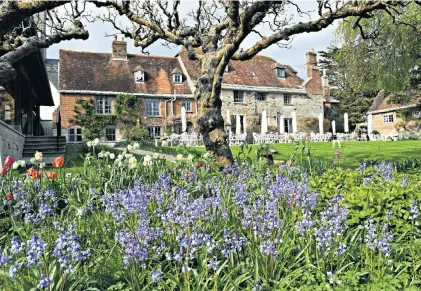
11 142
303 105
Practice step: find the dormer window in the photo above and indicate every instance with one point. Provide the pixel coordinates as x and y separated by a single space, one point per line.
139 77
252 74
178 78
280 72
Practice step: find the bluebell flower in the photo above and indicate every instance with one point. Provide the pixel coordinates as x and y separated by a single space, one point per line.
213 264
156 275
269 249
16 246
44 283
35 249
414 210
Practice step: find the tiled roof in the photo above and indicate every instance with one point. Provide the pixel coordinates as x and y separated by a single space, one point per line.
240 72
382 102
90 71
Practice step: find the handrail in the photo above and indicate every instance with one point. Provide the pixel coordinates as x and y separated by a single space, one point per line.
58 125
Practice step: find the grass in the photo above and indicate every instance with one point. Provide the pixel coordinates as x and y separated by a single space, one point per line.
355 152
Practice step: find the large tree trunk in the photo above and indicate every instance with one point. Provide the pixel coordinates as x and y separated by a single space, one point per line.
211 123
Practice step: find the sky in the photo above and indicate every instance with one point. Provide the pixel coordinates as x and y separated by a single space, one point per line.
293 56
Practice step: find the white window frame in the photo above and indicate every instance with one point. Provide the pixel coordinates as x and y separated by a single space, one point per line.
153 104
178 78
110 127
287 99
187 104
103 105
389 118
75 134
139 77
154 129
261 94
236 97
7 112
281 76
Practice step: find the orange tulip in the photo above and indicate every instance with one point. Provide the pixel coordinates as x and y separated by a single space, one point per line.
52 175
59 162
8 162
30 171
36 175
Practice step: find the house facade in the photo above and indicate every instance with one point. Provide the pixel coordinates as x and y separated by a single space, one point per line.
166 84
388 117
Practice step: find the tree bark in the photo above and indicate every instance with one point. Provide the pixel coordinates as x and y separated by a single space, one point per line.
211 122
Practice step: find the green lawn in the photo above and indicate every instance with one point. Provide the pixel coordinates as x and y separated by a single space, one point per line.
355 152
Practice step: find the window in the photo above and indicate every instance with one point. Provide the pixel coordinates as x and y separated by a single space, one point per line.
110 133
226 70
238 97
103 105
260 96
288 125
152 107
188 105
154 131
74 135
280 72
287 99
388 118
7 112
178 78
252 74
139 77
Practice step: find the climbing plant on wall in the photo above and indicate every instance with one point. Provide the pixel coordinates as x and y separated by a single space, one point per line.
92 124
128 113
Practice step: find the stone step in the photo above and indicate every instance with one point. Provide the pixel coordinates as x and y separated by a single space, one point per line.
38 147
44 153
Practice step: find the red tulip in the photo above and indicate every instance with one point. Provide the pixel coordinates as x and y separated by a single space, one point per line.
35 174
59 162
8 162
9 196
3 171
52 175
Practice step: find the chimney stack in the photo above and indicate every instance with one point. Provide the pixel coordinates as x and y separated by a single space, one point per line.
119 49
311 62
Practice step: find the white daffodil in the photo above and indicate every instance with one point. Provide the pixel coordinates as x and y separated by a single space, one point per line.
32 161
38 156
95 142
89 144
179 157
136 145
156 156
129 148
41 165
132 162
190 157
15 165
112 156
147 158
120 157
101 155
128 156
22 163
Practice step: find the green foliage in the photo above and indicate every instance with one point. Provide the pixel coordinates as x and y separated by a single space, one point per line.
384 56
128 108
92 124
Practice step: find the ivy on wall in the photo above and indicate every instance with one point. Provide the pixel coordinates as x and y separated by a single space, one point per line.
128 109
6 99
93 124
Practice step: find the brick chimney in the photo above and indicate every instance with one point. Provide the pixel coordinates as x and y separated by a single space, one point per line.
119 49
311 62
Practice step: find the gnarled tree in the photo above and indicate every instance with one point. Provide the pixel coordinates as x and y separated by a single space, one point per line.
213 32
27 26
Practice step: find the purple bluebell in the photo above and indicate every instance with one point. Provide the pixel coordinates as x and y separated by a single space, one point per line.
45 282
34 249
414 210
268 248
156 275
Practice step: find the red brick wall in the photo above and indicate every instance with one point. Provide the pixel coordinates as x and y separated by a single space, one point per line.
67 106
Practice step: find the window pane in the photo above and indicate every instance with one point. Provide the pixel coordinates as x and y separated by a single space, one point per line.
238 97
78 138
79 130
71 131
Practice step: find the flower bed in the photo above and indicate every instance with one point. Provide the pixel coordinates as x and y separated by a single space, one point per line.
125 224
